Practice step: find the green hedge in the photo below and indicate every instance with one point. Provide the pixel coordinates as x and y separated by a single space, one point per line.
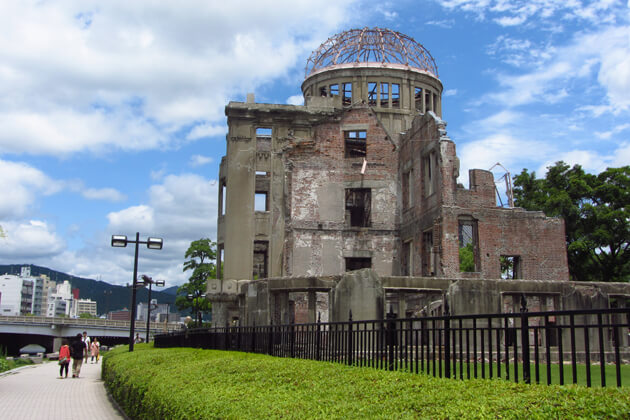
184 383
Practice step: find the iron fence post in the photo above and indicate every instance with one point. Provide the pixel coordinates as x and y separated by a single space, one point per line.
525 341
447 340
292 338
350 339
318 336
391 337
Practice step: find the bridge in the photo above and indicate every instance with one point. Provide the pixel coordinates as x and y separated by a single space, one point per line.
17 331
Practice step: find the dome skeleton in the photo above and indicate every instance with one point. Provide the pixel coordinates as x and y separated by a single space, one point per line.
371 45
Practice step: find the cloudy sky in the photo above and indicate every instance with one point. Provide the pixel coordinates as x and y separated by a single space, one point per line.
112 112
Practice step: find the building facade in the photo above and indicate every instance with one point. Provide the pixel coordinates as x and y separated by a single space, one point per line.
363 175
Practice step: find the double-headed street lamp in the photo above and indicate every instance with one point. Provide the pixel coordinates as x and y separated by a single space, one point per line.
121 241
148 280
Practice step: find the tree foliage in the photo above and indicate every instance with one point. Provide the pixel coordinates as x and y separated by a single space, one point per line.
596 211
200 255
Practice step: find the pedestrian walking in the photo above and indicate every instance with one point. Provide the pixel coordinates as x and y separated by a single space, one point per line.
64 359
77 352
94 349
86 342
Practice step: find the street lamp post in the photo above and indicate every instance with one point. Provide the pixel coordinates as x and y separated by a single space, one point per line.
151 243
148 280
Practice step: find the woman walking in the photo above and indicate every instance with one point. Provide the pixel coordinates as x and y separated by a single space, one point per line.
64 359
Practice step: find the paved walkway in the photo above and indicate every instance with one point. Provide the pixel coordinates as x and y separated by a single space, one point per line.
35 392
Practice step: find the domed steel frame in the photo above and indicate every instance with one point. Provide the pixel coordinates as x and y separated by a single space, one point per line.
371 45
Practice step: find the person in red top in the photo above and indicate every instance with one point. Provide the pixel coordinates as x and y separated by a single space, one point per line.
64 359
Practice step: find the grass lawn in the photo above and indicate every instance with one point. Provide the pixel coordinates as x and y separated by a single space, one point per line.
184 383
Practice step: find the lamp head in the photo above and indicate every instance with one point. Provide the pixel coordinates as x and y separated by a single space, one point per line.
119 241
154 243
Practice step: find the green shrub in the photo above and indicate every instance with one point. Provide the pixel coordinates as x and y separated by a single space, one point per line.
186 383
4 365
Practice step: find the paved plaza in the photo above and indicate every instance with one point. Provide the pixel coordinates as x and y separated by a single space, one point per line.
35 392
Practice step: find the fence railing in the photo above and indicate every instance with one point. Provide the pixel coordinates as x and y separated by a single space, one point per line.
586 347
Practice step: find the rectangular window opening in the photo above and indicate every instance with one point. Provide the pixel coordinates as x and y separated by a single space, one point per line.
395 95
261 201
222 197
355 143
322 91
406 190
354 263
418 98
427 254
263 132
334 90
372 93
358 207
347 93
427 100
510 266
261 260
385 95
468 246
406 259
429 178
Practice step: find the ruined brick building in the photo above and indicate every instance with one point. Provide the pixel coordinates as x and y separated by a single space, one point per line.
363 175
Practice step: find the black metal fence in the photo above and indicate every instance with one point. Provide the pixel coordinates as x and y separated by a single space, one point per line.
587 347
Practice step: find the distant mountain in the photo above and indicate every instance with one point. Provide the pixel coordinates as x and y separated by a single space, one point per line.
107 296
171 290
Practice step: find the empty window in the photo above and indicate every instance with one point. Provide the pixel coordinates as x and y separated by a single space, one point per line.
406 259
372 93
510 266
261 202
427 100
468 248
427 253
347 93
358 207
334 89
355 143
263 139
418 99
261 259
429 173
406 190
358 263
263 132
322 91
395 95
385 95
222 196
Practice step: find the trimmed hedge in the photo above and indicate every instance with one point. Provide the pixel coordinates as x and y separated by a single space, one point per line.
185 383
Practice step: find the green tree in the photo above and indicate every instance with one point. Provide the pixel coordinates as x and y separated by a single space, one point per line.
596 211
466 259
200 255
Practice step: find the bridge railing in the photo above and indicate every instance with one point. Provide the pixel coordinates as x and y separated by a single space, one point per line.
87 322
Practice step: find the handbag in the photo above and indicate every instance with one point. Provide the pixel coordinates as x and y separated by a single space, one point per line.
63 360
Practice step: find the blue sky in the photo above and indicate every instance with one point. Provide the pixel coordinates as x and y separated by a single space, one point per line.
111 112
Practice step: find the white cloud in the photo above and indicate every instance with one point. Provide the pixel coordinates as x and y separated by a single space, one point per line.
108 194
21 184
118 75
29 240
444 23
295 100
605 54
450 92
206 130
517 12
199 160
